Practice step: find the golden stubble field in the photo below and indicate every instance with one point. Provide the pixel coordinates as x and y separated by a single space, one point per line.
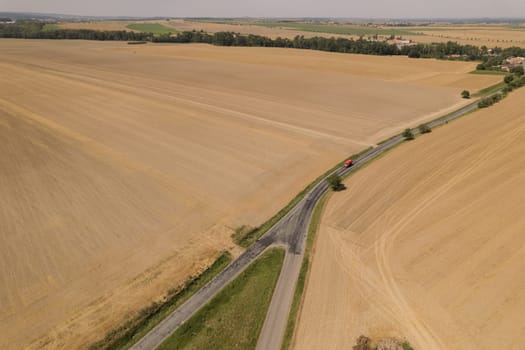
427 243
124 168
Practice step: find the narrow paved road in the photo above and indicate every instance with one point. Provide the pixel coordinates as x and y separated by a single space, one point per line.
276 318
291 232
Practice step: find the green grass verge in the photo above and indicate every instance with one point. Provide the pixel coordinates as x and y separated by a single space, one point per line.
131 331
489 90
488 72
388 139
303 274
245 237
234 318
154 28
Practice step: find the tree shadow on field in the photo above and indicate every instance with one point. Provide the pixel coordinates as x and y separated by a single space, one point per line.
339 188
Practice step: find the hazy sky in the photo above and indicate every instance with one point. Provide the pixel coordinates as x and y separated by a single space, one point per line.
275 8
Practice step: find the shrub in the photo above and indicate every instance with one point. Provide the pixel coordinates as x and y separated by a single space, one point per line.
517 70
508 78
414 54
507 89
362 343
408 135
407 346
489 101
424 129
465 94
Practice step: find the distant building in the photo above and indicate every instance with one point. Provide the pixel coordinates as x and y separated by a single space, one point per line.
512 62
401 42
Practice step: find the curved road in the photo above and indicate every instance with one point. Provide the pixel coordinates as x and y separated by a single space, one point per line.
290 232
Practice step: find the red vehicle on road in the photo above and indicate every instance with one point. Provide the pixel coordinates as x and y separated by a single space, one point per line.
349 163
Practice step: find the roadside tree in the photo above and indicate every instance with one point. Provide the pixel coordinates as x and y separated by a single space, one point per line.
408 135
335 182
424 129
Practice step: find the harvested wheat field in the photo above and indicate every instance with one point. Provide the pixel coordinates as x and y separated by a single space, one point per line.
427 243
124 168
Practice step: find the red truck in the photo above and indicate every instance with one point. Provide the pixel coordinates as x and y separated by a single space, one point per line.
349 163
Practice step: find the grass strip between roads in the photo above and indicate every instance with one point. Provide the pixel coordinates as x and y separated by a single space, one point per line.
133 330
488 72
234 318
245 239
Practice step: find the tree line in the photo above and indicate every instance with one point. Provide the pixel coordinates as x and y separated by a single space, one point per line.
36 30
449 50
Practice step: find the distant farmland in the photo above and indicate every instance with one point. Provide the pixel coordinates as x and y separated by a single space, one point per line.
354 30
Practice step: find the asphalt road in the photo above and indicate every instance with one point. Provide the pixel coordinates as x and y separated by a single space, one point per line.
290 232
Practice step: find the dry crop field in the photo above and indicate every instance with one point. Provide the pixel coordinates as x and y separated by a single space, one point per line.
124 168
490 35
427 243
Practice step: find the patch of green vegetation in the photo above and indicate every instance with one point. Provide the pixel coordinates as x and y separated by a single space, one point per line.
424 129
154 28
487 72
244 237
133 330
407 346
49 26
489 90
234 318
489 101
303 274
338 28
408 135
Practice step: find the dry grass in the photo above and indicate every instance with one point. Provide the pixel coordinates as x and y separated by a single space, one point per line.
427 243
124 168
